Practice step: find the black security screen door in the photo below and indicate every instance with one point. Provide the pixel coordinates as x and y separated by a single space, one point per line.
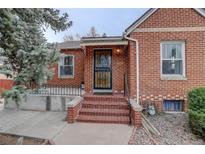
103 69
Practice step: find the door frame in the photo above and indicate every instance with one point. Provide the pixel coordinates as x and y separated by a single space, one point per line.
98 50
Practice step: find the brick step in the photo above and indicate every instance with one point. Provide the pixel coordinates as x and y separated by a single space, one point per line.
104 112
104 119
105 105
104 98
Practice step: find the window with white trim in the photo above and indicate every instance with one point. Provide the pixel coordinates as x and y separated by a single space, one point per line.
66 66
173 58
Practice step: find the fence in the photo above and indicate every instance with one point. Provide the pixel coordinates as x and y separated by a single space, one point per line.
51 89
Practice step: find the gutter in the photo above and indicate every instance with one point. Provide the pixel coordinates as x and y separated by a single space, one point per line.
111 38
137 64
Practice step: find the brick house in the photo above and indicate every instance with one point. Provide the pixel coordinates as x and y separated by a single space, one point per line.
158 59
5 82
74 53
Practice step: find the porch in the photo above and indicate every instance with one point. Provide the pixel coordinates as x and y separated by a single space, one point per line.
105 64
104 108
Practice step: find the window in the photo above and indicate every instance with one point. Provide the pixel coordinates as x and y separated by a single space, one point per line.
173 105
66 66
172 58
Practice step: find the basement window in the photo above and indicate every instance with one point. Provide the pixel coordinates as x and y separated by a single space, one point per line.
173 105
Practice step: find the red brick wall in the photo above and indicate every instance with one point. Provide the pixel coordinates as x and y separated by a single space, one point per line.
136 119
174 18
5 84
78 69
119 66
152 87
72 113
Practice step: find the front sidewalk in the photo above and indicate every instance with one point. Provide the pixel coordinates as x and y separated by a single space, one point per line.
94 133
32 123
52 125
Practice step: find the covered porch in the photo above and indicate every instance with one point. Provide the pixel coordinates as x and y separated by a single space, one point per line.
106 83
105 64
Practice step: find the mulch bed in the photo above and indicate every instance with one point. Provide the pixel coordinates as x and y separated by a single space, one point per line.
10 139
174 130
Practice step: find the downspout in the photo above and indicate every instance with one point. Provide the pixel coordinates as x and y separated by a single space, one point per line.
137 64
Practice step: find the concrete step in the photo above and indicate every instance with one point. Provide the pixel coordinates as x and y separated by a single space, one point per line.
104 112
104 119
105 105
108 98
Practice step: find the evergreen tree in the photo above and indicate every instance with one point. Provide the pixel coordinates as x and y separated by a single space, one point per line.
27 57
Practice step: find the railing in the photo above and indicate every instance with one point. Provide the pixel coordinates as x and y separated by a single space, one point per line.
52 89
126 94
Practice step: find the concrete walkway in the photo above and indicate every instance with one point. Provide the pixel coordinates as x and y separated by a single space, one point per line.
90 133
32 123
52 125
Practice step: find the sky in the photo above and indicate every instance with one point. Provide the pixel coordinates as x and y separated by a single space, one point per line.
113 22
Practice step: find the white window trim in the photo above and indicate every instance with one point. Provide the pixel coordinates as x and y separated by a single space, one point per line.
173 76
66 76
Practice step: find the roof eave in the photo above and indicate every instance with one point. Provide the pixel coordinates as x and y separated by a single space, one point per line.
140 20
68 48
101 39
200 11
99 43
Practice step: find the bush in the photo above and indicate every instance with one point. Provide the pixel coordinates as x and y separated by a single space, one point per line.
196 111
14 94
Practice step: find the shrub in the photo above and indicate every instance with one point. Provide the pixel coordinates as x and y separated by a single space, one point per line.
14 94
196 111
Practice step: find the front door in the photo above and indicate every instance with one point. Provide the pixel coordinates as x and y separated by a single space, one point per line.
103 69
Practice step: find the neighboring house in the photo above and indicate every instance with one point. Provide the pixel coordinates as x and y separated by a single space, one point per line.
171 46
5 82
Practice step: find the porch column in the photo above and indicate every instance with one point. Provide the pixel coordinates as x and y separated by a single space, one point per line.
73 108
88 69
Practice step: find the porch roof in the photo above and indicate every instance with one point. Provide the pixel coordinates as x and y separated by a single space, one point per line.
69 45
95 41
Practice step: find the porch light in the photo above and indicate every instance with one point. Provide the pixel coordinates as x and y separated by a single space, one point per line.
118 51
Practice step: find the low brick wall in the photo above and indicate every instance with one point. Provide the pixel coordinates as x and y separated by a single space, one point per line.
73 113
73 109
136 118
136 109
